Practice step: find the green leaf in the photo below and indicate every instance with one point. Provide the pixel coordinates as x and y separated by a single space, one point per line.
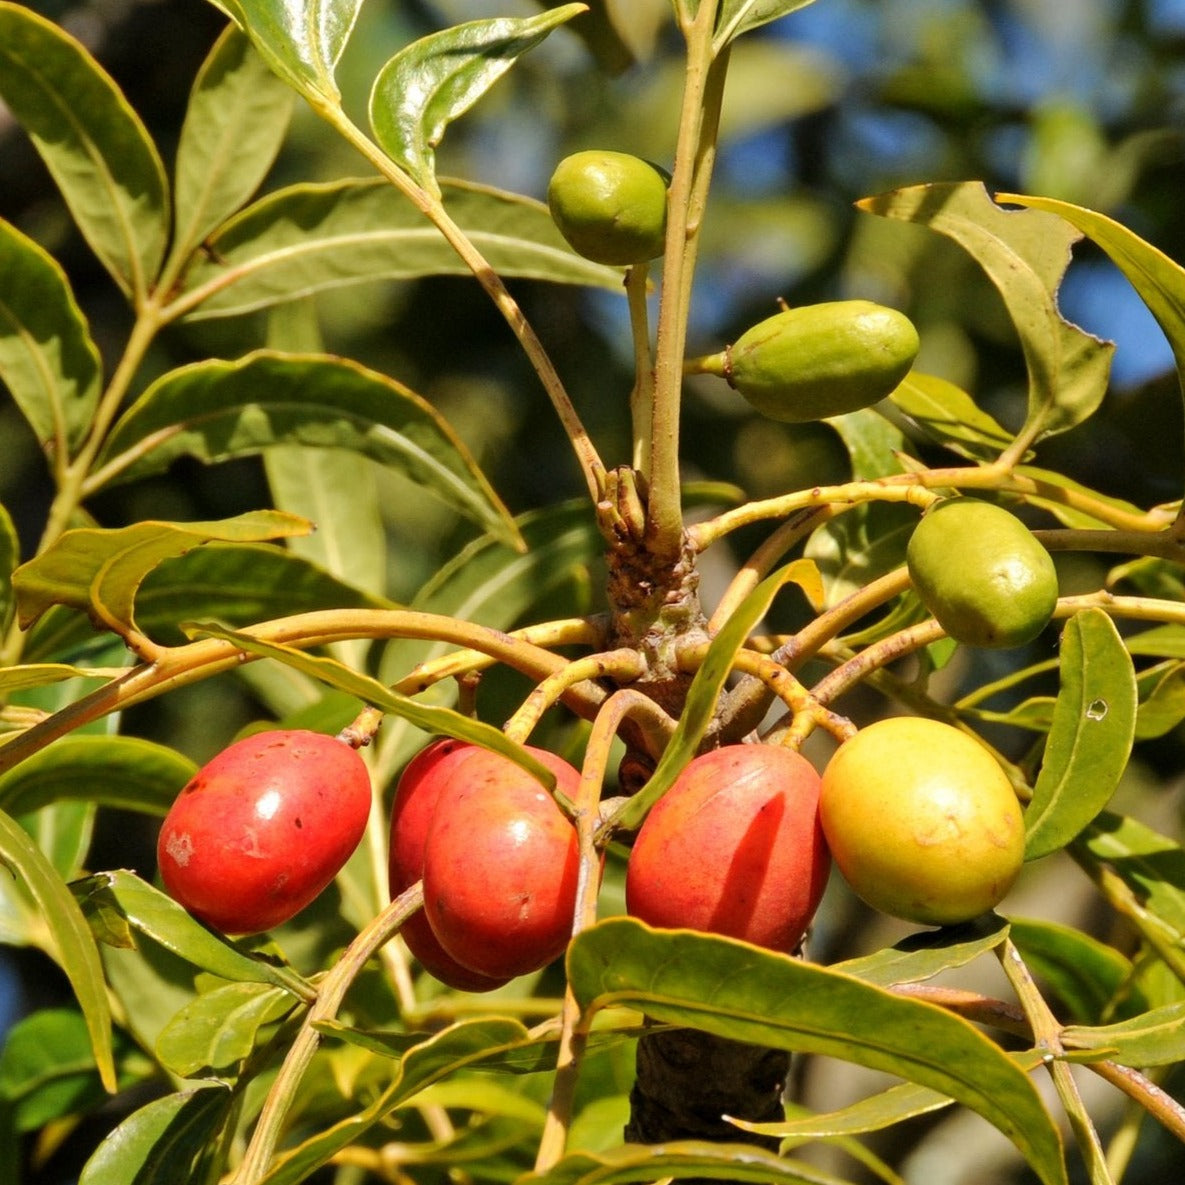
118 771
739 16
708 682
234 125
1025 254
99 570
1090 737
38 674
1155 1038
47 358
217 410
436 79
676 1160
92 142
311 237
928 953
1087 975
866 542
1162 707
950 417
747 994
117 900
301 42
10 556
1158 279
216 1031
160 1143
72 945
1071 516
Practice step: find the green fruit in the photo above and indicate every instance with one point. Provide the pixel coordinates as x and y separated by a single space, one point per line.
610 206
921 821
819 360
982 574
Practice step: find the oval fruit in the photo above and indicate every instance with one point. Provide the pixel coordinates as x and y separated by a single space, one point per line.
611 207
734 847
501 862
261 830
922 821
982 573
412 810
819 360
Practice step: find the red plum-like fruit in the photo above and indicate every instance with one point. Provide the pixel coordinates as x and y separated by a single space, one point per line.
261 830
734 847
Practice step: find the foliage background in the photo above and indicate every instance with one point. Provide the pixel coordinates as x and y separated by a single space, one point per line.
1077 99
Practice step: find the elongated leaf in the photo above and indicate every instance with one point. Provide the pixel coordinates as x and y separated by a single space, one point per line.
738 991
311 237
48 361
119 771
99 570
74 947
301 42
38 674
1158 279
160 1143
1071 516
1090 737
433 81
92 142
1155 1038
10 556
234 125
216 410
118 900
1025 254
949 416
1163 707
739 16
709 681
216 1031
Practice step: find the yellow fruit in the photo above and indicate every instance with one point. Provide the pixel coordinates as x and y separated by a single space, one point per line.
982 574
921 821
610 206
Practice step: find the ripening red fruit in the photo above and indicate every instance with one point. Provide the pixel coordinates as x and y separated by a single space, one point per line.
500 865
734 847
414 805
261 830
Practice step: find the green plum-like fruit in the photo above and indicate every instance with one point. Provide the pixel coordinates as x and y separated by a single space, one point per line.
921 821
501 863
610 206
734 847
982 573
818 360
258 832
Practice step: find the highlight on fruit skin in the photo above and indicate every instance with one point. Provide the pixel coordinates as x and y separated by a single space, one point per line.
922 821
611 207
262 829
982 574
815 361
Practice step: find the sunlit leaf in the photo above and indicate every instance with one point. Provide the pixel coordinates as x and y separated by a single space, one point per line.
1071 516
1025 254
99 570
739 16
1155 1038
73 946
48 361
217 410
1090 736
38 674
924 955
746 994
234 125
92 142
119 771
311 237
159 1143
950 417
436 79
302 42
709 680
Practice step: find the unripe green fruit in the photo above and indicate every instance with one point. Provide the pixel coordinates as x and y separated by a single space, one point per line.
610 206
818 360
922 821
982 574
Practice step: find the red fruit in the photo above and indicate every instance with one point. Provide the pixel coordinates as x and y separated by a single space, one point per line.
261 830
411 813
734 847
500 865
